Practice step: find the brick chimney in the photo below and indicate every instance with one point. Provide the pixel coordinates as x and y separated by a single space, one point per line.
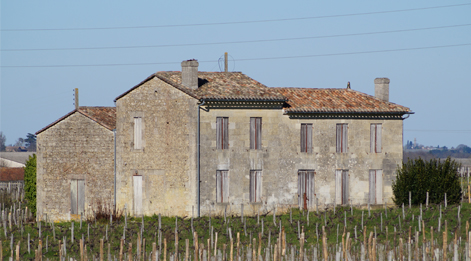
382 89
190 74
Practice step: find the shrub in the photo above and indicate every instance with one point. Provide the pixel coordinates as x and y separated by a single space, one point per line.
30 184
418 176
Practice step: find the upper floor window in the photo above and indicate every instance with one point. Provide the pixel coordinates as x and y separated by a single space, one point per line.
255 133
375 138
222 186
137 133
306 137
222 133
255 186
342 138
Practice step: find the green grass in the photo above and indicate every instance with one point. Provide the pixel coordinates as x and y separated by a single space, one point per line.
202 227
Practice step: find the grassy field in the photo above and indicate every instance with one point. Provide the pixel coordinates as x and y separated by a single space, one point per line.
376 221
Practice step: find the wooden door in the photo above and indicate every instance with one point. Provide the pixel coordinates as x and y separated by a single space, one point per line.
77 196
137 184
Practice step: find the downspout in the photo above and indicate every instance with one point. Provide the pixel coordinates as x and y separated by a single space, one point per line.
114 133
198 159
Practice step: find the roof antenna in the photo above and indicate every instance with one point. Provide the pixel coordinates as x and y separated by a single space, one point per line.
225 62
348 85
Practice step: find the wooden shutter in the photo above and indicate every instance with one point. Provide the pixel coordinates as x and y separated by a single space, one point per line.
252 133
219 138
259 187
225 133
344 138
225 187
137 133
303 137
309 138
81 196
372 191
378 137
219 186
258 133
345 187
379 186
73 196
137 183
252 186
338 186
372 138
339 138
301 185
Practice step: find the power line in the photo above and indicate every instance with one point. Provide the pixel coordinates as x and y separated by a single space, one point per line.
234 42
451 131
238 22
244 59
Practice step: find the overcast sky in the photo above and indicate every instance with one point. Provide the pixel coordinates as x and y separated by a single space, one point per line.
48 48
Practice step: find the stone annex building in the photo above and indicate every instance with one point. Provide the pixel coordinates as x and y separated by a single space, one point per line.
189 141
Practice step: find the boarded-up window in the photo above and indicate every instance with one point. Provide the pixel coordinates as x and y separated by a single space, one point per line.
137 133
306 137
341 186
222 133
375 138
137 185
255 133
342 138
255 186
222 186
306 188
77 196
376 186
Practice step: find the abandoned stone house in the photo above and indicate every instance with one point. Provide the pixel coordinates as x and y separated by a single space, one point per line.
208 141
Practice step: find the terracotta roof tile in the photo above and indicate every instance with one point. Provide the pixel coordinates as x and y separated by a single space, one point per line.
105 116
11 174
225 86
336 101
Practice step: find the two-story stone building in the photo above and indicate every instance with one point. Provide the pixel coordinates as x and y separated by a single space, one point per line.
209 141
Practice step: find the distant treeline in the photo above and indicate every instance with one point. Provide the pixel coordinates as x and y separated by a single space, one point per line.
461 151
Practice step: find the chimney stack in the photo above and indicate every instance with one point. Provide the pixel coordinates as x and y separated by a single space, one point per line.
382 89
190 74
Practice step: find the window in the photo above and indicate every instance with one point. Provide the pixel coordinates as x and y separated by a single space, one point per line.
137 187
306 137
222 186
77 196
376 186
137 133
375 138
255 133
342 138
341 186
306 188
255 186
222 133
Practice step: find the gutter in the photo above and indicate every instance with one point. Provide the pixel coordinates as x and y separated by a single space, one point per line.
114 132
345 112
198 156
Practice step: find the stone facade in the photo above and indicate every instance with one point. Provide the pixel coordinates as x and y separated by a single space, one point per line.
167 160
280 159
74 148
157 147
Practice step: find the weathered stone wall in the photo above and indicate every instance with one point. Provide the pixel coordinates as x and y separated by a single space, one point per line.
167 161
280 159
74 148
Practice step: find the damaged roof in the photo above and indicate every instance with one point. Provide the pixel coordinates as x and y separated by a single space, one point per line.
314 100
105 116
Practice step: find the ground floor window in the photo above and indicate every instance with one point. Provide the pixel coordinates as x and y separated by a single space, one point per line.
376 186
306 193
255 186
341 186
222 186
